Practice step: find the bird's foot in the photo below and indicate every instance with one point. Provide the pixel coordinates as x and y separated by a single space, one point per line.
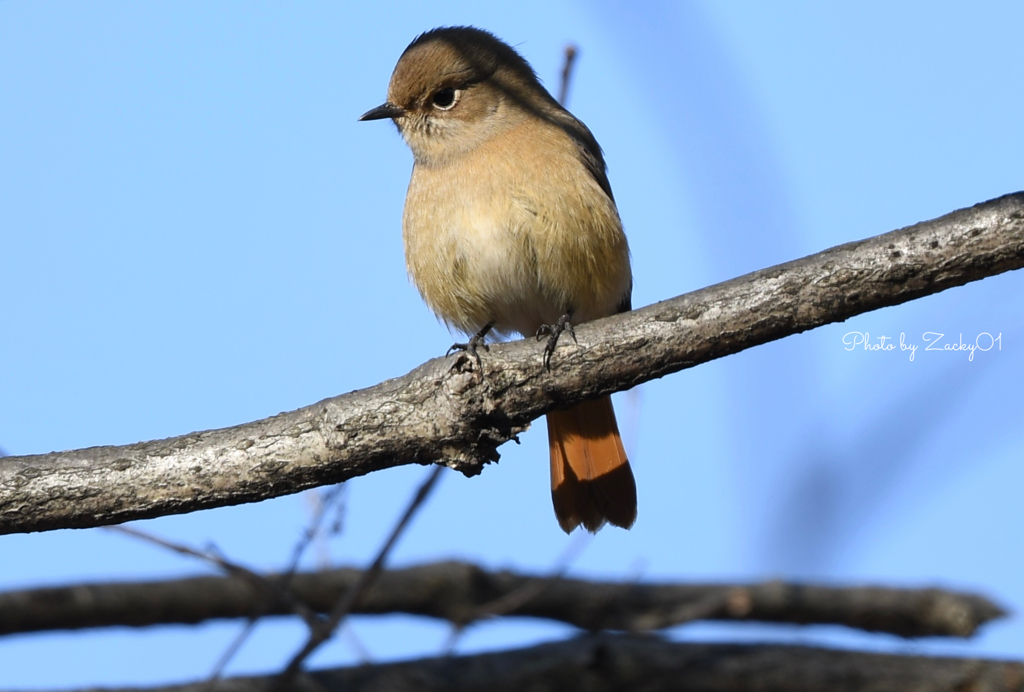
472 346
553 331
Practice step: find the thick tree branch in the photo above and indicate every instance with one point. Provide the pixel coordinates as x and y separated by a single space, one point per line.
441 414
610 663
462 593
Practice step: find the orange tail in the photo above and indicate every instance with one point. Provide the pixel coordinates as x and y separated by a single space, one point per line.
591 481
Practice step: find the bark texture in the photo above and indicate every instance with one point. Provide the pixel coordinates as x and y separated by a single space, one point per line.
445 412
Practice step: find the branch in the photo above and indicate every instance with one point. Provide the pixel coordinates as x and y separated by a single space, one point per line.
270 588
608 663
463 593
345 602
571 53
326 498
444 414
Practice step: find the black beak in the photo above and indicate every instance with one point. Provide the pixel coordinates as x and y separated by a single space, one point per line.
385 110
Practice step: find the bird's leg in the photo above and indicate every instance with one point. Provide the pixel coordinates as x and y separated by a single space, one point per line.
553 331
471 346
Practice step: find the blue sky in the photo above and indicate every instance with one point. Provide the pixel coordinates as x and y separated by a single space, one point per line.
196 232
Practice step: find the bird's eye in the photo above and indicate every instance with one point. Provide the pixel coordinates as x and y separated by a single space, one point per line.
445 99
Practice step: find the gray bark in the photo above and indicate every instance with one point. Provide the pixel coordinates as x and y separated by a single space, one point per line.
444 412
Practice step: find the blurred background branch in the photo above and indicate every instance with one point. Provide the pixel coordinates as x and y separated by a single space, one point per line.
606 663
463 593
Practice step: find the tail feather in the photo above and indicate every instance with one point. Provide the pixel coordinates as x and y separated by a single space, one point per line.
591 481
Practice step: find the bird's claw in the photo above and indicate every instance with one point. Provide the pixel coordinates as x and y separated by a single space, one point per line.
553 332
472 346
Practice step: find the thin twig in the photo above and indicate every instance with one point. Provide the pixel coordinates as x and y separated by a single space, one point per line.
324 629
520 596
262 583
571 51
349 635
283 581
328 496
517 598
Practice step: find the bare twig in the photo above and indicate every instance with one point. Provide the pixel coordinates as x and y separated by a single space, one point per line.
517 598
323 630
461 593
326 502
271 591
608 663
571 51
442 414
281 582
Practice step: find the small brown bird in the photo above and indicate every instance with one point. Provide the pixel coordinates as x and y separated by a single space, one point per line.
510 225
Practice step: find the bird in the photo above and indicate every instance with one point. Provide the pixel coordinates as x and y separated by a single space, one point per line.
510 226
